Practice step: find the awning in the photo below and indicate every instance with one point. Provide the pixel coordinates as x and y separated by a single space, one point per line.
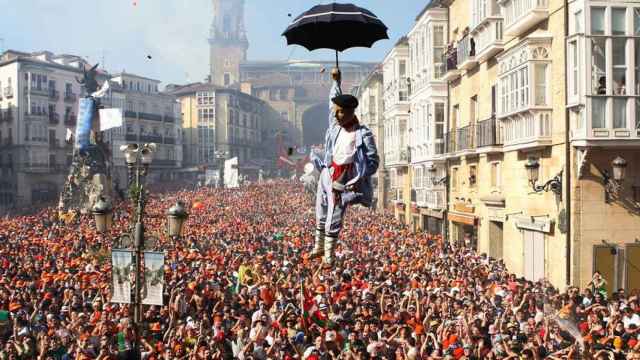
462 218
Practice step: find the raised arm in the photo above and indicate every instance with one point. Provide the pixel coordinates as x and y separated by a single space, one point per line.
336 75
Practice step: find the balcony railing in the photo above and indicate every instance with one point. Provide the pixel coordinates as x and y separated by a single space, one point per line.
54 119
8 92
467 52
528 130
70 119
148 116
54 94
170 140
451 64
151 138
169 118
461 139
488 133
131 114
488 39
520 15
131 137
70 97
36 91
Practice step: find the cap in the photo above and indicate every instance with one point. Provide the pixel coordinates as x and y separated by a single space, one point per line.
346 101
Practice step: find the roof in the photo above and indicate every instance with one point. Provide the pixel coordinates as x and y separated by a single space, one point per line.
123 73
432 4
195 87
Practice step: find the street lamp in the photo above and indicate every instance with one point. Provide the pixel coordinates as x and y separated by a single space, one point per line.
176 217
103 215
138 157
612 185
533 174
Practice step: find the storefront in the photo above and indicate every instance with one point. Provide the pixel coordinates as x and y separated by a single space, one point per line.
464 226
534 230
432 221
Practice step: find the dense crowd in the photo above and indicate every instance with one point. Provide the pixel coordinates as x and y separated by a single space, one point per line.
240 285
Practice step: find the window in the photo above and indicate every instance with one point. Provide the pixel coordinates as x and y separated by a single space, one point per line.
578 21
68 89
637 67
438 52
227 79
597 21
473 109
515 90
637 114
473 176
636 21
573 64
619 66
599 106
541 84
619 113
439 120
598 69
495 175
402 69
618 21
454 179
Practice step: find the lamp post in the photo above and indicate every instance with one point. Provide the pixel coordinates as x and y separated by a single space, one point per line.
533 174
138 158
612 184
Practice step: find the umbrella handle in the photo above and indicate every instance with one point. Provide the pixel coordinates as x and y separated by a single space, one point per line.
337 63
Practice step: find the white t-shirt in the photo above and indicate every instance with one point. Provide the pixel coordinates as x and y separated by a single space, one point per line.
345 147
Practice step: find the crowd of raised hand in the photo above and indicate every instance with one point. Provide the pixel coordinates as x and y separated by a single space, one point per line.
239 284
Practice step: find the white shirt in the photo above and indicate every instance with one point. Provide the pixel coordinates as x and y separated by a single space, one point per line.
345 148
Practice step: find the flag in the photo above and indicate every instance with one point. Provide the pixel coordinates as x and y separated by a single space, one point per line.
311 312
69 135
110 118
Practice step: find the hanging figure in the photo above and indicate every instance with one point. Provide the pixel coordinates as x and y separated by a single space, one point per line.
349 160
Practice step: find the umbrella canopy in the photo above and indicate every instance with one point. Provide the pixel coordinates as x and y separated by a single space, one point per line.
335 26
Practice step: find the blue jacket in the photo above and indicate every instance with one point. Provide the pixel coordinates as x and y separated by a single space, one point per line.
366 159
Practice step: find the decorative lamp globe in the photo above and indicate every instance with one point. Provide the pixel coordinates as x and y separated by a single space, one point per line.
103 215
176 217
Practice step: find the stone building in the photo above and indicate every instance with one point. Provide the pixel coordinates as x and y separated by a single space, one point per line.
38 105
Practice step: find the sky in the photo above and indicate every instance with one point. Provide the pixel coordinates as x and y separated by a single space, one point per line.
123 34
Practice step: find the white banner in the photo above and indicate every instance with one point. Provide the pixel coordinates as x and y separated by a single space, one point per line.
153 278
231 179
121 271
110 118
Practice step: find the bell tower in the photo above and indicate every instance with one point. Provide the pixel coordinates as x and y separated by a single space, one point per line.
228 42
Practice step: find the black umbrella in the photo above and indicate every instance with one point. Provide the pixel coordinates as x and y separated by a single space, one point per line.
335 26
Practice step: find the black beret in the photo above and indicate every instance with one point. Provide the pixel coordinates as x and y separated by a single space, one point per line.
346 101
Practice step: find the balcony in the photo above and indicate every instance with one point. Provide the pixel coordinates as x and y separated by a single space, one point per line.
521 15
36 115
527 130
70 119
131 137
170 140
488 136
148 116
8 92
451 61
54 95
397 158
54 119
489 40
169 118
466 53
461 141
435 199
36 91
70 97
35 168
131 114
601 128
151 139
162 162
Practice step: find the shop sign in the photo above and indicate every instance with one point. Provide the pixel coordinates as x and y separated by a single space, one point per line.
462 219
535 224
